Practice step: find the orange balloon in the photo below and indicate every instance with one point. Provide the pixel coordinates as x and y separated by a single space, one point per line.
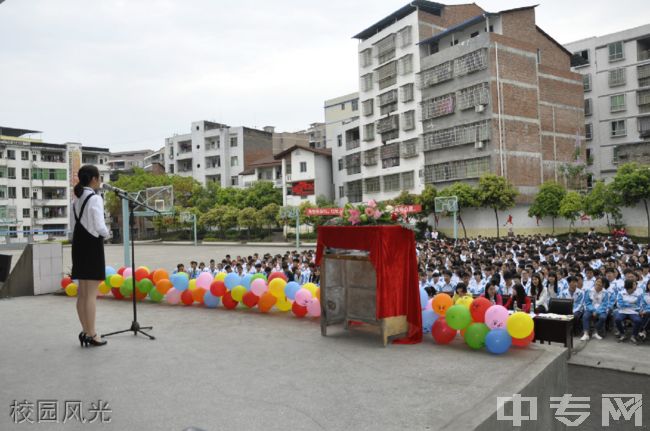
267 301
197 295
160 274
441 302
317 293
163 285
140 295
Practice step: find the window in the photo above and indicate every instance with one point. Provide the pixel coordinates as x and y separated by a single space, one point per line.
303 166
365 57
408 120
587 107
589 131
391 183
25 212
342 106
405 64
35 213
341 191
234 180
24 155
618 128
404 37
387 109
371 185
3 192
389 155
355 104
438 106
369 132
366 107
353 191
233 141
408 180
386 75
385 49
24 173
473 34
471 97
366 82
26 230
353 163
11 191
539 56
586 82
370 157
234 161
458 169
410 148
339 140
617 103
406 93
616 51
440 73
643 75
25 192
643 101
617 77
340 164
643 125
34 157
580 58
11 154
11 173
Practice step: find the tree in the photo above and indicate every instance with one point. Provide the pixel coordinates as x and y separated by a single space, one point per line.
497 193
428 200
547 201
570 207
632 184
405 198
601 202
269 216
467 198
260 194
248 218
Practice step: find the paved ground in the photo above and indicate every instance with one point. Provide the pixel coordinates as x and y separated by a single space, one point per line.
240 370
608 353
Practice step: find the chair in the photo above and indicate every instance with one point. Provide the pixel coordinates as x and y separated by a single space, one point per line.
560 306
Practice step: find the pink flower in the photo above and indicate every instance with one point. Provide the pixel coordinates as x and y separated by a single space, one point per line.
372 203
354 217
370 212
377 214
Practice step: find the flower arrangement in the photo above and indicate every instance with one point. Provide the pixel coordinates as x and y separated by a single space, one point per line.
372 213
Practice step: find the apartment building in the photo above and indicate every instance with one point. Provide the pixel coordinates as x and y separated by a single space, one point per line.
450 92
125 160
216 152
155 162
615 69
306 174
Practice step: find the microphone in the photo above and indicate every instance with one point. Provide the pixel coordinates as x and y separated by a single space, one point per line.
110 188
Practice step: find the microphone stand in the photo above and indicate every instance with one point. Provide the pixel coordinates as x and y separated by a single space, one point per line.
135 326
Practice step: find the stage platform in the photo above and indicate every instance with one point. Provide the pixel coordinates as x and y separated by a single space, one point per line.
241 370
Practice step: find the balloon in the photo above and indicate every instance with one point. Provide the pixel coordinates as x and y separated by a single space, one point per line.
217 288
238 293
478 308
127 272
65 281
424 298
429 317
258 275
311 287
246 281
276 274
180 282
110 270
232 280
498 341
267 301
116 280
145 285
250 299
458 317
303 296
186 297
475 335
204 280
163 286
107 280
139 295
141 273
495 317
291 289
71 289
276 287
198 294
220 276
283 304
298 310
317 294
210 300
441 332
523 342
465 301
104 288
155 295
313 308
258 286
441 302
520 325
160 274
127 287
191 285
228 302
429 304
173 296
116 293
121 270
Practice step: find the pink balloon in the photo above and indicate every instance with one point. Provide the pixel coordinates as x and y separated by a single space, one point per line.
313 307
496 316
173 296
258 286
429 304
303 296
204 280
127 273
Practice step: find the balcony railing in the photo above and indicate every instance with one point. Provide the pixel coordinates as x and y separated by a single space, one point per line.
644 55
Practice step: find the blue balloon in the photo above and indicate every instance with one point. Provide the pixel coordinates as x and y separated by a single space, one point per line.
179 282
429 317
210 300
110 271
290 290
498 341
246 281
424 298
232 280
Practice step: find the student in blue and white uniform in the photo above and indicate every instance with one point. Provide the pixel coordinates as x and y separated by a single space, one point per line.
477 284
596 306
577 295
446 285
589 279
645 311
628 301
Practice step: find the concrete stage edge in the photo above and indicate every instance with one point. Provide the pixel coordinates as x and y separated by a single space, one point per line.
242 370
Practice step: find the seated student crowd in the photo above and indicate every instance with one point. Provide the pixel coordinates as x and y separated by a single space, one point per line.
606 278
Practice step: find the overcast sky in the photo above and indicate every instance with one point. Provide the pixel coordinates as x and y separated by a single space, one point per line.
125 74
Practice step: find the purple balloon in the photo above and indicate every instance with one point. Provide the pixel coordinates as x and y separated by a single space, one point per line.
303 296
496 316
173 296
258 286
313 307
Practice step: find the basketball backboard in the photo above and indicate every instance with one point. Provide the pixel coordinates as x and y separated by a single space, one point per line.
160 198
446 204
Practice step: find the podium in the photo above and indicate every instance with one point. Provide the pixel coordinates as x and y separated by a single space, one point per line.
369 275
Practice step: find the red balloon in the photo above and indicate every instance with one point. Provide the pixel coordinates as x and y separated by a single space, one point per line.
150 277
121 270
277 275
140 295
65 281
218 288
478 308
441 332
299 310
250 299
523 342
228 302
187 297
116 293
141 273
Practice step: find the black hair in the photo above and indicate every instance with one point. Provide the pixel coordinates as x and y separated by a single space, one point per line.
86 174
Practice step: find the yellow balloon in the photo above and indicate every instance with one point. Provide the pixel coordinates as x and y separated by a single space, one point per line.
311 287
466 301
520 325
192 285
238 292
104 289
283 304
117 280
276 287
71 289
220 277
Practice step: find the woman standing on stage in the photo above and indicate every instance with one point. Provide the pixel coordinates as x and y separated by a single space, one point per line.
88 266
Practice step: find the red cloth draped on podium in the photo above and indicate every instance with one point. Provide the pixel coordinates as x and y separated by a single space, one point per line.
392 253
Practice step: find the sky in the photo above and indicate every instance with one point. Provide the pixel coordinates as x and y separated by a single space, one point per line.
126 74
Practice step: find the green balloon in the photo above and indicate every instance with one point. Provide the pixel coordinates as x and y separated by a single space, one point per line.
145 285
458 317
127 287
258 275
475 335
155 296
108 280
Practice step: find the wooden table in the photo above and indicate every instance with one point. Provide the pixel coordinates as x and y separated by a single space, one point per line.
554 330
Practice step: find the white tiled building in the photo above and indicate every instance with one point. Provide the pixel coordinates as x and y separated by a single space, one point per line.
307 174
342 131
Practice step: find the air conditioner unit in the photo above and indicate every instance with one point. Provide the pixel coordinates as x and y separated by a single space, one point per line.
479 108
479 145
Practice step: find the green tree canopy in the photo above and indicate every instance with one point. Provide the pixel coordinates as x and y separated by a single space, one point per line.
428 199
496 193
601 202
632 184
547 201
571 207
467 198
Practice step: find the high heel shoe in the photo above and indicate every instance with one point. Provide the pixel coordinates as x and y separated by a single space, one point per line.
82 336
90 341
